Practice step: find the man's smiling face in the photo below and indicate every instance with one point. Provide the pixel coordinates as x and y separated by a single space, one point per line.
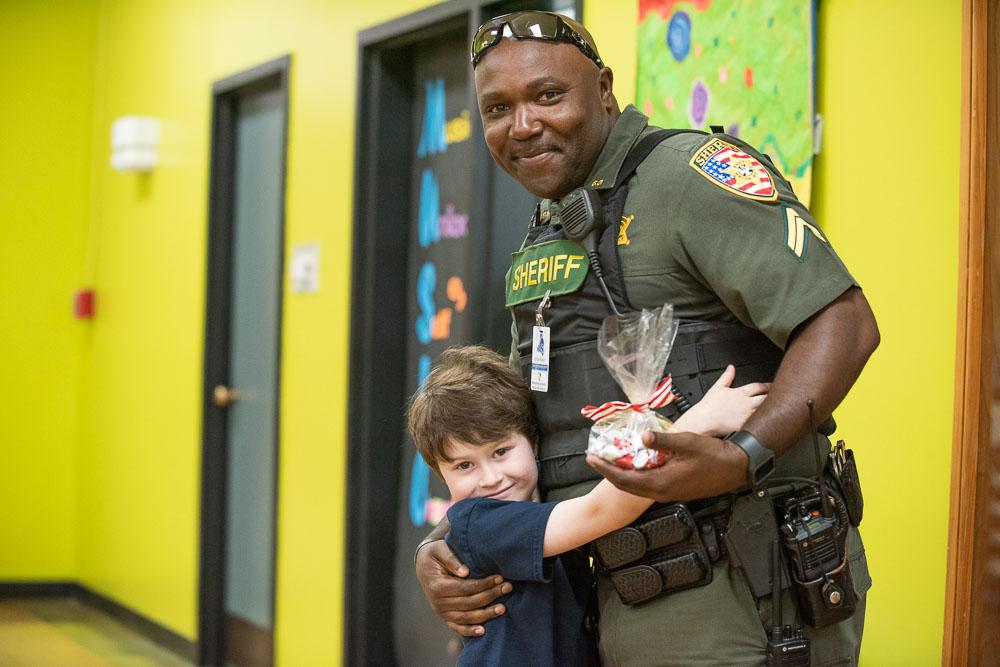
547 111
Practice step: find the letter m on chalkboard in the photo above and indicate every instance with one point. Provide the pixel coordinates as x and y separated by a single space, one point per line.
432 137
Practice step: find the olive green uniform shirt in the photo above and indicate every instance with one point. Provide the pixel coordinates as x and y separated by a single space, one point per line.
711 252
715 254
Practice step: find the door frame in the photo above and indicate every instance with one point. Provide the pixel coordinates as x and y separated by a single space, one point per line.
383 163
979 197
383 159
226 92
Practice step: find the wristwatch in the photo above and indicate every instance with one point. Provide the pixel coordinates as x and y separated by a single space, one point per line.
760 459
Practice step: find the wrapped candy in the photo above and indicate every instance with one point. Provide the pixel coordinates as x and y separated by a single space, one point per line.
635 348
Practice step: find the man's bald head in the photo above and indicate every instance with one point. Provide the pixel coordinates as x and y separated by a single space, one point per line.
547 110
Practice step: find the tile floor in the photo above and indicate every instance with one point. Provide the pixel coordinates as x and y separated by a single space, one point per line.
62 632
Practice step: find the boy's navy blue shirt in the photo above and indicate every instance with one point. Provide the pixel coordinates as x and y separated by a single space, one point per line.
544 621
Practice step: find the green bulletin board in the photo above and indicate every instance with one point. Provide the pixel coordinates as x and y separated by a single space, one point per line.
746 65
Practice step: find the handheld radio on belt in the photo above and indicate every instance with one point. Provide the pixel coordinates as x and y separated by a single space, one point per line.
814 531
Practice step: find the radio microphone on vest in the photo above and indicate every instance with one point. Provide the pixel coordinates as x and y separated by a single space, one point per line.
582 221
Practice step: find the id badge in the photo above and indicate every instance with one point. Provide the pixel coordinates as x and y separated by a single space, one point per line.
540 358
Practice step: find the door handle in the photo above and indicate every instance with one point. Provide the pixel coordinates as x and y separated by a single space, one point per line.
224 396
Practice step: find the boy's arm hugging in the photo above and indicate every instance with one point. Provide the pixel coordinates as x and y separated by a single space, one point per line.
466 604
577 521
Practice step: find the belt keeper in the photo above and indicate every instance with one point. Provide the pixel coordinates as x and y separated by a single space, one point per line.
708 536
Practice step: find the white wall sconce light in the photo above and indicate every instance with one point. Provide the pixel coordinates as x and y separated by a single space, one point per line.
134 141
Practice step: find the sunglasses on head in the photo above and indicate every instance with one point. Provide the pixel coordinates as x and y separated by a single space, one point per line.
544 26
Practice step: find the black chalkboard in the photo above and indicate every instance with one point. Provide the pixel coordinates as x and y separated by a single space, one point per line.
440 260
435 222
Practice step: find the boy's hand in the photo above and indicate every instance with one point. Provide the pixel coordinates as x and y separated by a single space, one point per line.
464 604
724 409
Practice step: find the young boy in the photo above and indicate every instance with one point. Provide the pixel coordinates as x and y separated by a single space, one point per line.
472 422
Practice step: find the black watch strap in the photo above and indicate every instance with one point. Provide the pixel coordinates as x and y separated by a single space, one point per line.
760 462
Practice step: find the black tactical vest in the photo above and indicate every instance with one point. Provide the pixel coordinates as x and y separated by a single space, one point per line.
578 376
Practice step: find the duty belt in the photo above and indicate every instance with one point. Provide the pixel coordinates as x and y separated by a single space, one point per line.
669 548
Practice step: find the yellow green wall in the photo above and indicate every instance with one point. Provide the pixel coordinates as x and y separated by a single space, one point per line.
47 82
886 193
139 465
899 234
105 488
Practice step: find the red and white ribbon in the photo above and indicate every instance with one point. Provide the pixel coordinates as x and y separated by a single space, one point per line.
661 396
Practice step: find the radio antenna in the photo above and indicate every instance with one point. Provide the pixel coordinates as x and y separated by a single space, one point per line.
824 497
775 591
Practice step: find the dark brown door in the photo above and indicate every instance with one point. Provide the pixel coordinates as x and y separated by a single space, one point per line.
972 610
243 351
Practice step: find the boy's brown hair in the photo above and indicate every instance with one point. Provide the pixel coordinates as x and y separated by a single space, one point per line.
472 395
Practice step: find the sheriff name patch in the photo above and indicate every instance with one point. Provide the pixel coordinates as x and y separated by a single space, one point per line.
732 169
556 267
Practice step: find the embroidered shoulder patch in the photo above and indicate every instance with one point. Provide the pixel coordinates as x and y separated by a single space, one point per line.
732 169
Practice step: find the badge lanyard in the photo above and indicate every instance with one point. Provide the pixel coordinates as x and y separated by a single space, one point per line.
540 344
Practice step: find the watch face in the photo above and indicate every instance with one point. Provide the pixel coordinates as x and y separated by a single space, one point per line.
760 462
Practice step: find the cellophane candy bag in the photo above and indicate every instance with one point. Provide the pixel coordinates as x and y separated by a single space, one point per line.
635 348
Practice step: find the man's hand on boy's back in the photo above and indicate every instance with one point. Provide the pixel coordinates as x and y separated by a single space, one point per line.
464 604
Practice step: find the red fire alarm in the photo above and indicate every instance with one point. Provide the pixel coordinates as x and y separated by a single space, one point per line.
83 304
